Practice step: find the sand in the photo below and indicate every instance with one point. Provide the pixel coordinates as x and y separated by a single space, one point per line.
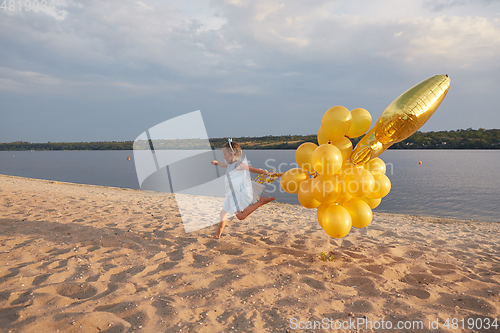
80 258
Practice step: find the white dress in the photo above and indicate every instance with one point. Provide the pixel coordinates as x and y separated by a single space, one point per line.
240 188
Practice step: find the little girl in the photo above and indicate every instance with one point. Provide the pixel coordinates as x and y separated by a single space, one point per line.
242 195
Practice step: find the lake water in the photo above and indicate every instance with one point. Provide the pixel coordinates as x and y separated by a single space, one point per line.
461 184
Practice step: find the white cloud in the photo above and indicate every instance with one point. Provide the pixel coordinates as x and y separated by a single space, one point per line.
322 30
204 39
460 40
288 53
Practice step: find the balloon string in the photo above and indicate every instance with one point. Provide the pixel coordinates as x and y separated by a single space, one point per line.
261 179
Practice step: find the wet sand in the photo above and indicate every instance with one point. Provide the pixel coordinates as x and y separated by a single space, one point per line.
80 258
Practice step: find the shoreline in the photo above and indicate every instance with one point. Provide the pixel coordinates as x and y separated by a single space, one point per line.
424 218
90 258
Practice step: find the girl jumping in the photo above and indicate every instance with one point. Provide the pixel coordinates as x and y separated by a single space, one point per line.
242 195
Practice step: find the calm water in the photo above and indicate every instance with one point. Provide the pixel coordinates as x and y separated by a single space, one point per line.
460 184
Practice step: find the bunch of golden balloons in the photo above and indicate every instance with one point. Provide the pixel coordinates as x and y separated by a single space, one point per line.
346 184
343 193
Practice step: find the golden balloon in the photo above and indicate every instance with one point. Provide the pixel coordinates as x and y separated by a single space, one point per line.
305 195
319 212
336 221
373 203
360 183
403 117
376 165
361 122
325 188
360 211
344 194
321 137
345 147
303 155
336 122
291 180
347 168
382 186
326 159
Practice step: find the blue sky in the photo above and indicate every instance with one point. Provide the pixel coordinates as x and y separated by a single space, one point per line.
109 70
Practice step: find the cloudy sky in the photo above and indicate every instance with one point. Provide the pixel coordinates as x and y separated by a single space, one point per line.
106 70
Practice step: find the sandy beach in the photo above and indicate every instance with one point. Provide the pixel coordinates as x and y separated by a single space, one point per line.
80 258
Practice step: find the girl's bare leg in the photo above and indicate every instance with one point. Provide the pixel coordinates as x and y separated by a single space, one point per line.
250 209
222 224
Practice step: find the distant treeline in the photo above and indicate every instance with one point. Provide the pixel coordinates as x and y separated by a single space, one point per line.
460 139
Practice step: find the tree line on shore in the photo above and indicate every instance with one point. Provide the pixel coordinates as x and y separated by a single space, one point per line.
459 139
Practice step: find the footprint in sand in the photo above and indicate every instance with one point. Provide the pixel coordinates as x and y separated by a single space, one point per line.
24 298
226 278
419 293
354 255
13 272
442 266
231 252
137 319
466 302
164 306
200 260
246 293
229 249
274 320
56 251
211 244
4 295
93 278
239 261
117 328
315 284
361 306
443 271
123 276
77 291
376 269
126 309
417 279
116 308
362 284
176 255
40 279
413 254
163 267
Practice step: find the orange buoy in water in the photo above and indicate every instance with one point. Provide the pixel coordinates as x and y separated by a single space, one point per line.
128 158
420 162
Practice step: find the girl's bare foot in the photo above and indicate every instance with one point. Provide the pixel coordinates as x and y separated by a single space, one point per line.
266 200
247 211
222 224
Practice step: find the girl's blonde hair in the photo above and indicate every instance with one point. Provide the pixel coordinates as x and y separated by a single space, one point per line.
234 147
